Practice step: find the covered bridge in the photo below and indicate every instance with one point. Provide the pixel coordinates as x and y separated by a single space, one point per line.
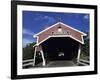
59 42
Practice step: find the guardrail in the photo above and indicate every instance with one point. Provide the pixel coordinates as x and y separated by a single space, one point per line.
83 62
27 62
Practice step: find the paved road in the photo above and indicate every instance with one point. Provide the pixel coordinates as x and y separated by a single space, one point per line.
58 64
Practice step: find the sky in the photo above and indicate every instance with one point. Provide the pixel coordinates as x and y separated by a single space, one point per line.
35 21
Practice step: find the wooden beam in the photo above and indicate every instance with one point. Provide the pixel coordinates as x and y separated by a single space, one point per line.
79 52
34 55
44 62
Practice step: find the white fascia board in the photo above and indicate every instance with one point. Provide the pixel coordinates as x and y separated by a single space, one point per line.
73 28
62 24
46 29
82 42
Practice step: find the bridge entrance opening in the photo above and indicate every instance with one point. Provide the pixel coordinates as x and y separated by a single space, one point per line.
60 48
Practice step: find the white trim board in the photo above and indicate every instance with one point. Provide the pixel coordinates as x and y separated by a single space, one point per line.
61 24
45 29
62 36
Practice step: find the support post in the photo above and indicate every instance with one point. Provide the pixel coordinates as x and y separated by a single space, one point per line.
44 62
34 55
79 52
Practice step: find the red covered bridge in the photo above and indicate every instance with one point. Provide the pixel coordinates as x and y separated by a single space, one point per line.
59 42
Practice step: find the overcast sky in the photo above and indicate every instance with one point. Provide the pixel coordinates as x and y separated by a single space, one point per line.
34 22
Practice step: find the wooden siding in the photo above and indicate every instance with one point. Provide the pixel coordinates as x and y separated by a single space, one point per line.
66 31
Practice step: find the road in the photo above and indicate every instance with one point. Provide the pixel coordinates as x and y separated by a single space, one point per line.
58 63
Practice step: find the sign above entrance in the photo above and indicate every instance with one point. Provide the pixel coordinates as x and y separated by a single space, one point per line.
61 33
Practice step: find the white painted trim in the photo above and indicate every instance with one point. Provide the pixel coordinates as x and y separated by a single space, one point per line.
82 38
67 36
37 39
61 36
82 42
79 52
36 42
57 24
86 61
46 29
34 56
43 40
34 45
28 60
82 63
44 63
74 29
30 63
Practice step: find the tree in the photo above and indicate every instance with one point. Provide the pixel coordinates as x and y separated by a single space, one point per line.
28 51
85 48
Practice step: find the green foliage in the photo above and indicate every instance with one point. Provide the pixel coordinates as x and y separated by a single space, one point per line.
28 51
85 48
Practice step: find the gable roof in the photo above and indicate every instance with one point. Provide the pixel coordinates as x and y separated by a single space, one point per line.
46 33
61 24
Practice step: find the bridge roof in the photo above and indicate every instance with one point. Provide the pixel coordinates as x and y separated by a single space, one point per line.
60 30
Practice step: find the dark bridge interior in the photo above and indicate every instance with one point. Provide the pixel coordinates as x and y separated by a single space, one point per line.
60 48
